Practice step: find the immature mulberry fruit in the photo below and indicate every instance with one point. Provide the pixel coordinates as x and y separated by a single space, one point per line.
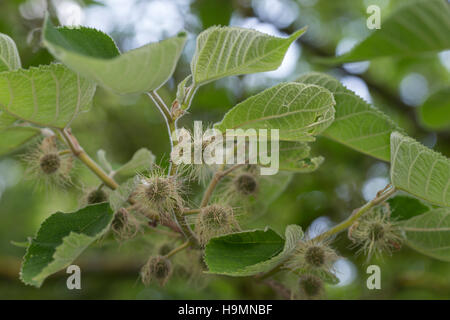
215 220
312 257
375 233
124 226
165 249
246 184
47 164
96 196
157 269
311 286
160 194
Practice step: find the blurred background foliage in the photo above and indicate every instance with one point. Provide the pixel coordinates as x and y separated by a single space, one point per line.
122 125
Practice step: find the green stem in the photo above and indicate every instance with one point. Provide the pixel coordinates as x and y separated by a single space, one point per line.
178 249
78 151
219 175
170 123
188 100
191 211
381 197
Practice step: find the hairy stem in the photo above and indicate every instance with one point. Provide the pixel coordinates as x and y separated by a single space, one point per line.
170 123
78 151
381 197
184 226
191 211
159 102
188 99
178 249
171 127
219 175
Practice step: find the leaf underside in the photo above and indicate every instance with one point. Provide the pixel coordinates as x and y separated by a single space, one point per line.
297 110
419 170
94 55
141 162
429 233
228 51
14 137
9 56
357 124
49 95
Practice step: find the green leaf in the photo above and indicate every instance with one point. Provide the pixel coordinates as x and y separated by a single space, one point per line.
141 161
405 207
294 157
94 55
357 124
106 165
269 189
297 110
61 239
14 137
6 120
420 171
435 112
119 197
228 51
429 233
213 13
251 252
9 56
417 28
49 95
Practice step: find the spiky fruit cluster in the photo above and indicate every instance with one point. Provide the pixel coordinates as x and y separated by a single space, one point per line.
199 167
46 164
310 286
312 257
124 226
246 184
215 220
160 194
157 268
50 163
375 233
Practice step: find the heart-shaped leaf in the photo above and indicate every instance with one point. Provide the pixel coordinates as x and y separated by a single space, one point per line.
420 171
9 57
49 95
429 233
297 110
228 51
357 124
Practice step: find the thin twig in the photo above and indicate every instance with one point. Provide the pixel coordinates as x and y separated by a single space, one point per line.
219 175
78 151
381 197
191 211
178 249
